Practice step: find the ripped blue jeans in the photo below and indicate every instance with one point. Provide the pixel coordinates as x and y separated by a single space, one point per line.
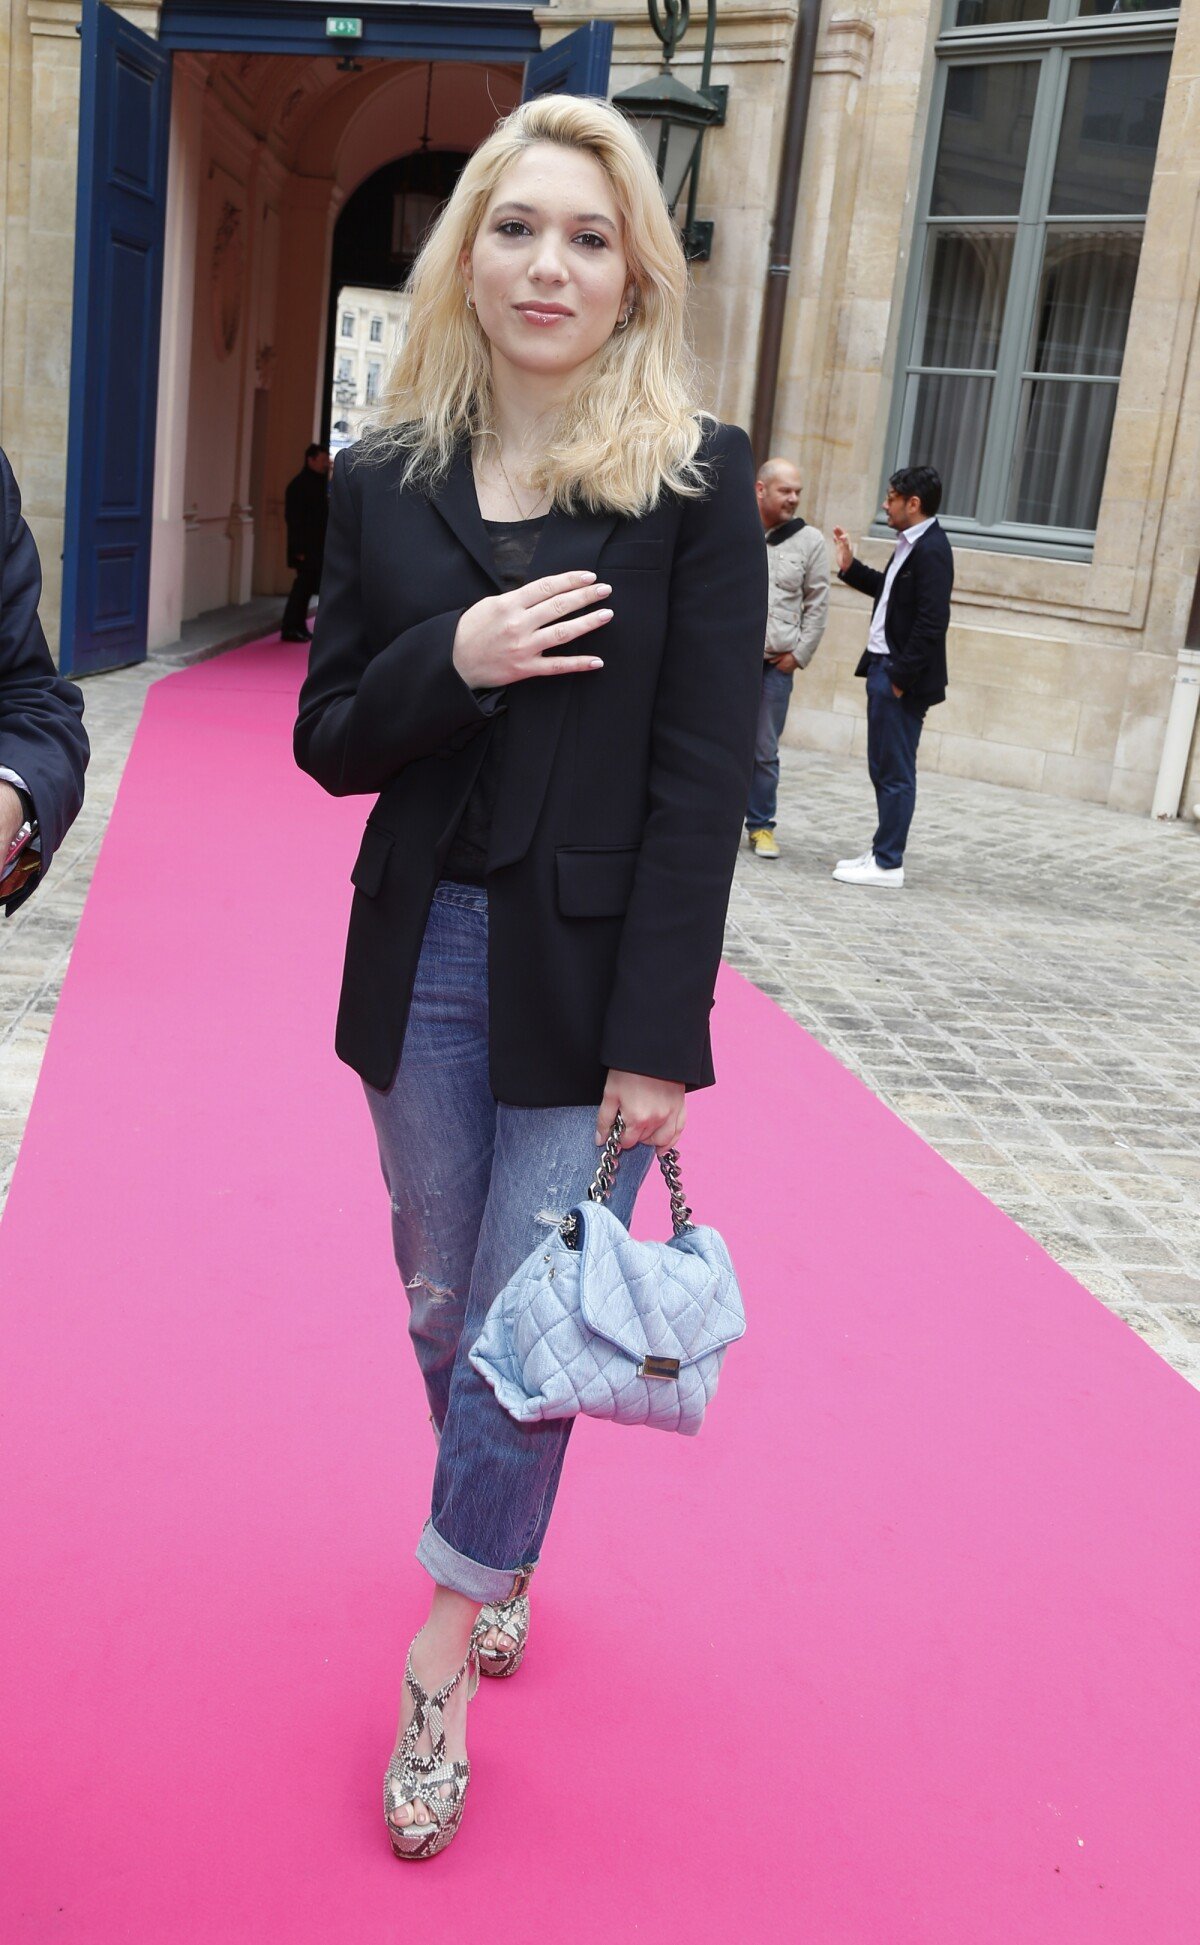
471 1183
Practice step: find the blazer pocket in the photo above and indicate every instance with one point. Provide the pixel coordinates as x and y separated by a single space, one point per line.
595 883
369 865
632 553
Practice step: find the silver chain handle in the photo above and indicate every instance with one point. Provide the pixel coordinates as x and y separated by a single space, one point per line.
606 1175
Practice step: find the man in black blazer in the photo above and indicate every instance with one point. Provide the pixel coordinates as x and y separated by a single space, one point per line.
43 746
904 661
306 512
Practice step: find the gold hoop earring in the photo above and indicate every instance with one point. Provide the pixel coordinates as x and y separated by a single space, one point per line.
623 322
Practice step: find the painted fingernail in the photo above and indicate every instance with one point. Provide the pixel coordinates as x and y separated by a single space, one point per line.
596 663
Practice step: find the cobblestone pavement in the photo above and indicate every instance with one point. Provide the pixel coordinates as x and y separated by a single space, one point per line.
1029 1003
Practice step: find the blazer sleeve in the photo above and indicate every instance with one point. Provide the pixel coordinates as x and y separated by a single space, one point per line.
933 578
364 714
702 752
42 737
864 579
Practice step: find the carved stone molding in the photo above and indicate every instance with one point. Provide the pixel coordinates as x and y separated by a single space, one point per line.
227 279
845 46
56 19
59 19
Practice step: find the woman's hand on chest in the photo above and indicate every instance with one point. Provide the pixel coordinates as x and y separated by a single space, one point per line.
505 637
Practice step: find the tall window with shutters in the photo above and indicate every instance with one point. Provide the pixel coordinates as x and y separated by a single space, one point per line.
1034 195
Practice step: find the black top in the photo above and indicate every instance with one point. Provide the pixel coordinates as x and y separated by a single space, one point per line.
513 542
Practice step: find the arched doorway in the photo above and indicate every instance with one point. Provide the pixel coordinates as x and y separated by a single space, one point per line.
375 240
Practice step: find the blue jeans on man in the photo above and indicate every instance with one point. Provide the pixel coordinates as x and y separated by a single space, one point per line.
772 715
893 731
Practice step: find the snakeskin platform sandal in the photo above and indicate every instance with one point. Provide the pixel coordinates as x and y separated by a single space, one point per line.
433 1780
507 1617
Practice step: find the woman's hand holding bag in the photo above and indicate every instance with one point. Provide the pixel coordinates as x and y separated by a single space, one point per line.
650 1110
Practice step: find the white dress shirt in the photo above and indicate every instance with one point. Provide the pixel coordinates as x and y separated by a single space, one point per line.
905 542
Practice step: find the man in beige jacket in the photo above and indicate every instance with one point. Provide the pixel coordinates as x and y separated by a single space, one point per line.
798 567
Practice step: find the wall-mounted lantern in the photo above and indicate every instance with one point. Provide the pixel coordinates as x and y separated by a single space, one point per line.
672 118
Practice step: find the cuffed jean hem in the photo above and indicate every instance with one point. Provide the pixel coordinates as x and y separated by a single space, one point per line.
464 1576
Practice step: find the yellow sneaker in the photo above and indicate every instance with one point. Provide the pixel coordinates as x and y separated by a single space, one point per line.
763 844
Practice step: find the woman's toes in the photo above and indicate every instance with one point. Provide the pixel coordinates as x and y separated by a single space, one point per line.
402 1815
505 1644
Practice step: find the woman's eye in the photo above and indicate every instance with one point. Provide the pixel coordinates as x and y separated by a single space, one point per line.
593 241
512 226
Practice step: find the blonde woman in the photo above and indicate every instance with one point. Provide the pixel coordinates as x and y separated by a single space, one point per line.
540 642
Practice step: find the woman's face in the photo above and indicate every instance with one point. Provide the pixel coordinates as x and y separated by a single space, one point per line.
548 270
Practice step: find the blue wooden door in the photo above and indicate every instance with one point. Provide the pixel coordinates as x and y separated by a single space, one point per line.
576 65
119 219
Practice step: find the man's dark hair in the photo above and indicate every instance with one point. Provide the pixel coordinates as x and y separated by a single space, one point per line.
315 449
919 482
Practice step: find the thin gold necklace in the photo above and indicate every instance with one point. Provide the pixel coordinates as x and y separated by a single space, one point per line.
513 491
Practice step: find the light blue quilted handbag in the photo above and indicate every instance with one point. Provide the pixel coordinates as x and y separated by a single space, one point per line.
595 1322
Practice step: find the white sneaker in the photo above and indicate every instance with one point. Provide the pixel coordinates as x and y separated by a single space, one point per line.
865 871
852 864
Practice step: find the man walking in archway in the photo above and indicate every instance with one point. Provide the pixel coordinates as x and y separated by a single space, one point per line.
306 510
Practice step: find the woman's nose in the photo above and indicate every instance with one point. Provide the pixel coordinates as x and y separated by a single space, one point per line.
548 266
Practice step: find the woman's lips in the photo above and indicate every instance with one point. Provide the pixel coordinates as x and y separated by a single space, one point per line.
543 314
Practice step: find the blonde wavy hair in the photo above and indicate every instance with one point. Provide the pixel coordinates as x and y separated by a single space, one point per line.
632 427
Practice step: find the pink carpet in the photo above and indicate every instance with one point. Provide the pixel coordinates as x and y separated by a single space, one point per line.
902 1649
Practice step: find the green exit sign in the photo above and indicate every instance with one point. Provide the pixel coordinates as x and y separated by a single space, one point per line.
343 27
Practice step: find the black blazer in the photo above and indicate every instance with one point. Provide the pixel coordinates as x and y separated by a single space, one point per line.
918 616
42 736
622 791
306 513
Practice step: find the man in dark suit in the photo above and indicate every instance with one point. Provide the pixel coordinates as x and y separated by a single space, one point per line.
904 661
43 746
306 511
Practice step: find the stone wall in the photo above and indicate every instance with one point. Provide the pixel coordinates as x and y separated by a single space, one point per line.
1061 671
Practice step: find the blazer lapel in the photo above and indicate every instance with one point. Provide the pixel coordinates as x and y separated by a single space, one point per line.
456 501
537 707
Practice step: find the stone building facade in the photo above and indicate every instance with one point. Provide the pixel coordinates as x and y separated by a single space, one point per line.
982 220
371 325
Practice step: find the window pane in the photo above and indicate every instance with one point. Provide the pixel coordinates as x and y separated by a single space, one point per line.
1084 302
1109 135
968 282
947 432
997 13
1089 7
985 139
1062 449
